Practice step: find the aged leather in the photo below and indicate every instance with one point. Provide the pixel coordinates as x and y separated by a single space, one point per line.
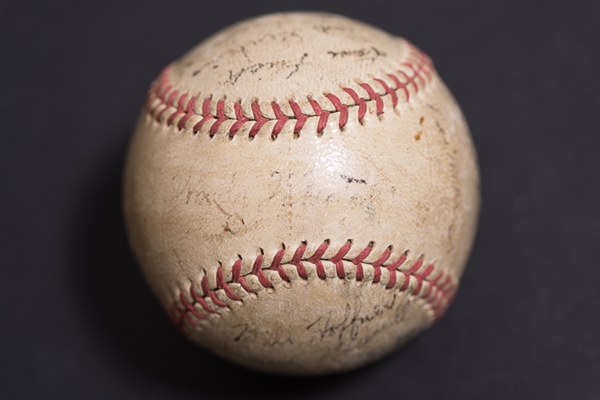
397 178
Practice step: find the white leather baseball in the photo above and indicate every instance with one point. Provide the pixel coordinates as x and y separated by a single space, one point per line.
301 192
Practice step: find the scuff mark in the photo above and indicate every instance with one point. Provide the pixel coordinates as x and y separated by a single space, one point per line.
353 180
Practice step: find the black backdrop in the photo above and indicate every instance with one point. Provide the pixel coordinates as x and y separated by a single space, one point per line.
77 319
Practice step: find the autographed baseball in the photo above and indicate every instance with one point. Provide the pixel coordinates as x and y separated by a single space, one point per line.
301 192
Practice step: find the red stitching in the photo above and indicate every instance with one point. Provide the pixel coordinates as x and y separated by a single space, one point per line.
362 105
297 261
439 292
221 284
400 85
190 307
300 117
201 300
323 115
258 117
281 120
373 95
206 113
316 259
276 265
189 112
358 262
211 293
163 98
240 120
256 270
389 91
220 118
342 108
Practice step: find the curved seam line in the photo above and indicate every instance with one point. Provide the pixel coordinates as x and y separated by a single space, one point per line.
163 96
443 285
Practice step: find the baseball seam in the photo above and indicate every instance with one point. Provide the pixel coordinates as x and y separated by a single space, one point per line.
176 107
439 289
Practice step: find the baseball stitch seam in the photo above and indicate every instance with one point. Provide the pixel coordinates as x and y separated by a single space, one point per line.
439 293
163 96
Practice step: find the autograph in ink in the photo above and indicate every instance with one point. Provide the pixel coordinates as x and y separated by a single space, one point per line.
354 319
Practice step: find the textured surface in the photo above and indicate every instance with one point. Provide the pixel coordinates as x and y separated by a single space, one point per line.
74 76
387 175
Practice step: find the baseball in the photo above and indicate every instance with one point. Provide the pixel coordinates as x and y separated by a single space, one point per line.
301 193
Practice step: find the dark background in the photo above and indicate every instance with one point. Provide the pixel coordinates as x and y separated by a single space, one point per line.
77 319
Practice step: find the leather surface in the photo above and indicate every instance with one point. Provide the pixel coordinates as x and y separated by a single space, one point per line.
404 180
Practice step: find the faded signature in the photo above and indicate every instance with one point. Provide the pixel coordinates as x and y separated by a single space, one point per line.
354 320
271 337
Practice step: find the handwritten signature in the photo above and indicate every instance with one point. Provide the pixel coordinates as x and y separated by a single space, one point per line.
353 320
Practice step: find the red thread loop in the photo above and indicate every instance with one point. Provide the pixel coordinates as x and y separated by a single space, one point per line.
414 267
417 288
240 120
297 261
200 300
362 255
258 272
374 96
298 254
246 287
211 294
323 115
277 259
445 283
221 117
409 80
206 115
316 259
337 259
171 98
221 284
236 269
358 262
190 307
362 105
342 108
400 85
383 258
300 117
389 91
409 272
179 109
341 252
392 281
376 274
319 253
416 74
425 274
276 265
260 119
189 112
164 102
281 120
397 263
339 269
181 100
257 264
